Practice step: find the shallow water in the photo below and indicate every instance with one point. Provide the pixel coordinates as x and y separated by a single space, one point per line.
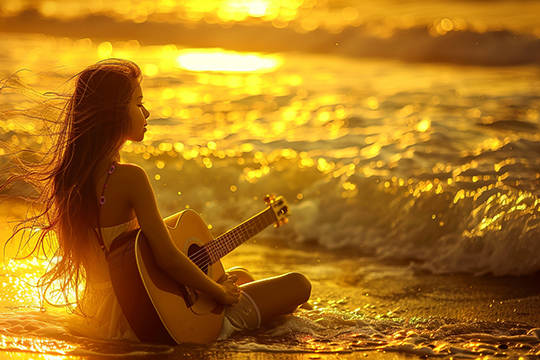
387 134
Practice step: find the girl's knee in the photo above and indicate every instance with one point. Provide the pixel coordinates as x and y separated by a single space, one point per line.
301 284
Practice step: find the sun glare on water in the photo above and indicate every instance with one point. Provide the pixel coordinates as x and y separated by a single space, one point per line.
227 61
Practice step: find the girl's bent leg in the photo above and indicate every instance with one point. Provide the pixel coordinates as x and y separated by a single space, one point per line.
278 295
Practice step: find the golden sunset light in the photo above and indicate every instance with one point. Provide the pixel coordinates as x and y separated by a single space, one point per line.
376 163
226 61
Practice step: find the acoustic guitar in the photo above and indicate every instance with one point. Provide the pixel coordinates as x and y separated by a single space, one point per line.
159 309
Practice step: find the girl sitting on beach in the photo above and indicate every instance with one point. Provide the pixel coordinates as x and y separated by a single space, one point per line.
84 186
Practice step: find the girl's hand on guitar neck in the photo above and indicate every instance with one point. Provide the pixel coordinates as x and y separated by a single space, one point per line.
231 291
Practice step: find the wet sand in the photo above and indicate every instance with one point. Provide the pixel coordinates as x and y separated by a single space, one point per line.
385 289
377 287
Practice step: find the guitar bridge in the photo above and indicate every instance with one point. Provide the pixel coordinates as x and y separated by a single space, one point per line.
189 296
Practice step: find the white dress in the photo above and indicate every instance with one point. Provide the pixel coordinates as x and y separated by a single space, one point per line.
104 317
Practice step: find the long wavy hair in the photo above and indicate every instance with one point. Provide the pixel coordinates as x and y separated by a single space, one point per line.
93 124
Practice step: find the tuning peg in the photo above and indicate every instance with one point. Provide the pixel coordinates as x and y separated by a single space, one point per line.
278 224
269 198
285 221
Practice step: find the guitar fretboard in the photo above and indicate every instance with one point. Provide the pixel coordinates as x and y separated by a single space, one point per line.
224 244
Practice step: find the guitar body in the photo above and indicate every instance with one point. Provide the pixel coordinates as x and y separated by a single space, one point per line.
158 308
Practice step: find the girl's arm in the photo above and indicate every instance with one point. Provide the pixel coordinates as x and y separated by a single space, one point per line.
168 257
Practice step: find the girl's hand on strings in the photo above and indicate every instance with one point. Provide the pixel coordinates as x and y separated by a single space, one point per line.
231 291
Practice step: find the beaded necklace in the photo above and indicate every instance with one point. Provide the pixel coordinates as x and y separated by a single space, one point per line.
102 197
102 201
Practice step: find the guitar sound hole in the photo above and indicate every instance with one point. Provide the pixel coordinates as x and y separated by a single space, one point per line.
199 256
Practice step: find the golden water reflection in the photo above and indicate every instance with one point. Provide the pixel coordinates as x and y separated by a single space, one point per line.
226 61
43 347
210 103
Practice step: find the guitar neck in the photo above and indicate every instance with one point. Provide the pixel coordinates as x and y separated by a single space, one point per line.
225 243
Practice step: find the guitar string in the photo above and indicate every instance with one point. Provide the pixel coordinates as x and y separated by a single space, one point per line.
203 257
247 230
222 245
225 239
208 249
200 258
213 251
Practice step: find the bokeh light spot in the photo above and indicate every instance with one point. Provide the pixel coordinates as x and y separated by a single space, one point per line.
227 61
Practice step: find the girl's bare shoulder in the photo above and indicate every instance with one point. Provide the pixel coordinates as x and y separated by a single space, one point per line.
130 172
128 168
136 187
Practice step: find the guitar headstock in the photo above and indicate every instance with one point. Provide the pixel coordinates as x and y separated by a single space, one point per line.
281 208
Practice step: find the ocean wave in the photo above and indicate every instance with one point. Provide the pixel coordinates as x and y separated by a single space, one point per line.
471 226
416 44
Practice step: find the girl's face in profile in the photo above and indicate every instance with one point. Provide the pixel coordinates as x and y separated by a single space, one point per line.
138 114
